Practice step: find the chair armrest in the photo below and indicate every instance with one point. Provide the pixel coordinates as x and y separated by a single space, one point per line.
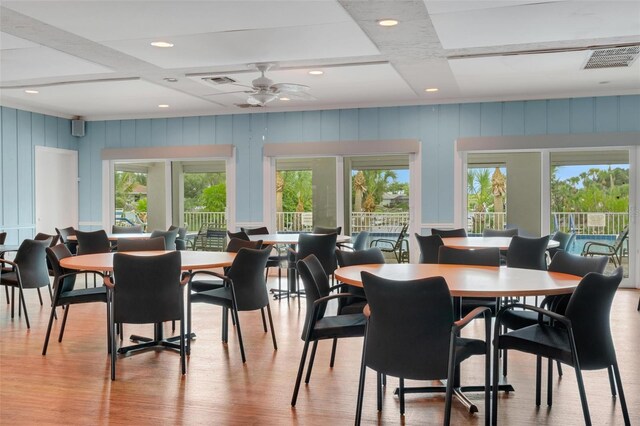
543 312
108 282
215 274
3 261
590 244
335 296
345 246
337 286
460 324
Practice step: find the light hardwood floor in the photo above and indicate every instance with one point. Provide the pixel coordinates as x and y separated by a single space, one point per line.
71 384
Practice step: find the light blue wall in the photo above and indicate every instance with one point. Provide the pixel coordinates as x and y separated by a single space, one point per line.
21 132
436 126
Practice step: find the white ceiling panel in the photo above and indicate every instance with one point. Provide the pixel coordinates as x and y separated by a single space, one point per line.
242 47
121 98
38 62
7 41
124 20
537 23
539 75
448 6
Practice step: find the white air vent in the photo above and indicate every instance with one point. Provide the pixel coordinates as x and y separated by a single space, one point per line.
612 58
219 80
249 106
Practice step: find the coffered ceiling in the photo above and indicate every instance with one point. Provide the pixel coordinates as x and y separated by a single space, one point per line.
94 59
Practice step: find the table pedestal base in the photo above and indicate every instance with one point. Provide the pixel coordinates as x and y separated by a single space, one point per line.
458 392
156 341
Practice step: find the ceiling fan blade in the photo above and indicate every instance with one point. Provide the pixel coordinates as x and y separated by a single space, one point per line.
229 93
303 96
290 87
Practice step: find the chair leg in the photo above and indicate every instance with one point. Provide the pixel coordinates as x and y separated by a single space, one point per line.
114 353
401 395
363 372
39 295
583 396
303 359
24 305
550 382
64 323
623 401
188 348
538 378
6 291
450 374
108 329
379 390
504 363
183 361
559 368
46 337
311 359
264 321
333 352
273 332
234 311
612 380
225 325
495 377
13 301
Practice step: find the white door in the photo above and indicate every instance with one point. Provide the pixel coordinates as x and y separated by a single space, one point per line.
56 189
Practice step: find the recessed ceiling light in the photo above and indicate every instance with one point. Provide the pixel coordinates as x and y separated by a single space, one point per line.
170 79
387 22
31 91
431 89
285 99
161 44
316 72
163 106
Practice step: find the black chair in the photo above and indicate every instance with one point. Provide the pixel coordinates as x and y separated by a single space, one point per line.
487 232
411 334
614 251
64 234
65 294
93 242
429 245
140 244
323 246
359 243
318 326
527 253
146 289
263 230
477 257
245 290
135 229
349 258
275 261
399 247
327 230
3 237
210 237
181 239
241 235
53 240
580 338
446 233
28 270
565 241
169 238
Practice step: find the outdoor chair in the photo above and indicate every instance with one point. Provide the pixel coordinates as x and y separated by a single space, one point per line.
613 251
399 247
134 229
210 238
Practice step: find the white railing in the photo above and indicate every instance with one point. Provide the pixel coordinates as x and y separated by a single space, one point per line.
194 220
378 221
585 223
294 221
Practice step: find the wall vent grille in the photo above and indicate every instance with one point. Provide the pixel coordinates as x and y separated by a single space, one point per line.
612 58
219 80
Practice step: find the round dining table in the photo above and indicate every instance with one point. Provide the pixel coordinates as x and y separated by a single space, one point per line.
116 237
485 242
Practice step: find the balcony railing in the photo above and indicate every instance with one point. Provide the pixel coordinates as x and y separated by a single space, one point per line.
303 222
294 221
194 220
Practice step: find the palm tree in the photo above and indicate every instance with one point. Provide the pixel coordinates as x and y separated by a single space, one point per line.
359 188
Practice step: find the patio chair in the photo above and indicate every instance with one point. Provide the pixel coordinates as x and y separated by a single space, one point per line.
613 251
399 247
210 238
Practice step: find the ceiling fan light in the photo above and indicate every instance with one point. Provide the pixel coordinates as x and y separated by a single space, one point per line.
261 98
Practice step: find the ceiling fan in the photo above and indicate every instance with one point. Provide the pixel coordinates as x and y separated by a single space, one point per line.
263 90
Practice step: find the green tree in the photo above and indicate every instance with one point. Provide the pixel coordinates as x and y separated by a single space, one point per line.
297 191
214 197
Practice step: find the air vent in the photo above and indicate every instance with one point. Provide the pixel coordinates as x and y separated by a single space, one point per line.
249 106
612 58
219 80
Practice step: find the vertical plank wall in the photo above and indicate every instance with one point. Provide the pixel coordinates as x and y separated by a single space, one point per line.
21 132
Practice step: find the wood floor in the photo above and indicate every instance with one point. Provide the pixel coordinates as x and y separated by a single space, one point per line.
71 384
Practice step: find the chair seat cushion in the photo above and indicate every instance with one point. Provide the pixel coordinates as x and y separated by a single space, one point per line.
219 296
339 326
517 319
353 308
204 285
468 347
85 295
9 278
544 340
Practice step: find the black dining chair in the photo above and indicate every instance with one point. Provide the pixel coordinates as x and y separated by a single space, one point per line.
317 325
169 238
429 246
64 234
245 290
323 246
181 238
141 244
580 338
3 237
565 240
28 270
488 232
359 243
241 235
327 230
275 260
527 253
411 334
65 294
92 242
144 290
446 233
135 229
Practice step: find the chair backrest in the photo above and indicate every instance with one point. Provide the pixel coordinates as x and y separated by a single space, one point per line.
53 239
577 265
327 230
564 239
255 231
55 254
323 246
617 244
480 257
239 235
409 328
140 244
135 229
528 253
93 242
444 233
64 233
500 232
3 237
362 257
31 259
589 310
169 238
316 285
235 244
360 242
429 245
182 231
247 274
147 288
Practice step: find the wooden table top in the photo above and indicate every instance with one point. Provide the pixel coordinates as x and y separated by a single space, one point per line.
135 235
471 281
485 242
288 238
190 260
